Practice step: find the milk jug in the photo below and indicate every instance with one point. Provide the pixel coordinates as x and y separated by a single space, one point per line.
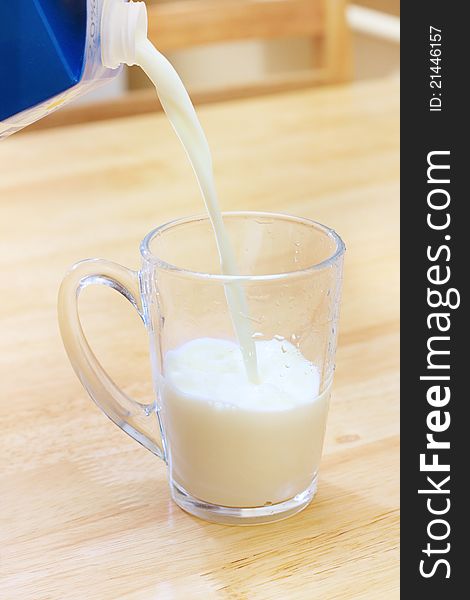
52 51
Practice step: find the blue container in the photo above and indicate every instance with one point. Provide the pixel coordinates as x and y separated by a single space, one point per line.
50 53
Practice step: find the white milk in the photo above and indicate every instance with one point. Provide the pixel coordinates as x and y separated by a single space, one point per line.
244 423
235 443
180 111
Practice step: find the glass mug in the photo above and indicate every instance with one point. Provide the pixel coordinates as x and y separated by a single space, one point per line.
232 463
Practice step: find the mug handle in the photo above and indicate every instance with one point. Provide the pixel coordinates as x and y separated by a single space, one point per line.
132 417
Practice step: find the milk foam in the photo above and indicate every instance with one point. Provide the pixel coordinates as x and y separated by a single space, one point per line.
212 370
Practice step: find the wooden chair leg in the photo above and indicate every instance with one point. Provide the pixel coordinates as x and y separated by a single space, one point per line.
337 50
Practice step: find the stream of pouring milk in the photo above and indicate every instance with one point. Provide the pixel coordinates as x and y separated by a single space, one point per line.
182 116
244 422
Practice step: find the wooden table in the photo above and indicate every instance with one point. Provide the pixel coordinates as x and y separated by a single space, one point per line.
85 511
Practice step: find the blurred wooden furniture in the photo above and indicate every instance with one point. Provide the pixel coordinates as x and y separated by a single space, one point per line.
182 24
85 512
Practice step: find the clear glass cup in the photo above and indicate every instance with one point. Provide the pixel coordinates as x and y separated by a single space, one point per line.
225 463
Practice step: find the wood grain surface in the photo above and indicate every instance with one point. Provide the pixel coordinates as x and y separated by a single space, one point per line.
85 511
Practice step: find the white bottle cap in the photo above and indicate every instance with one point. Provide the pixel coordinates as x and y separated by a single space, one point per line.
122 24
